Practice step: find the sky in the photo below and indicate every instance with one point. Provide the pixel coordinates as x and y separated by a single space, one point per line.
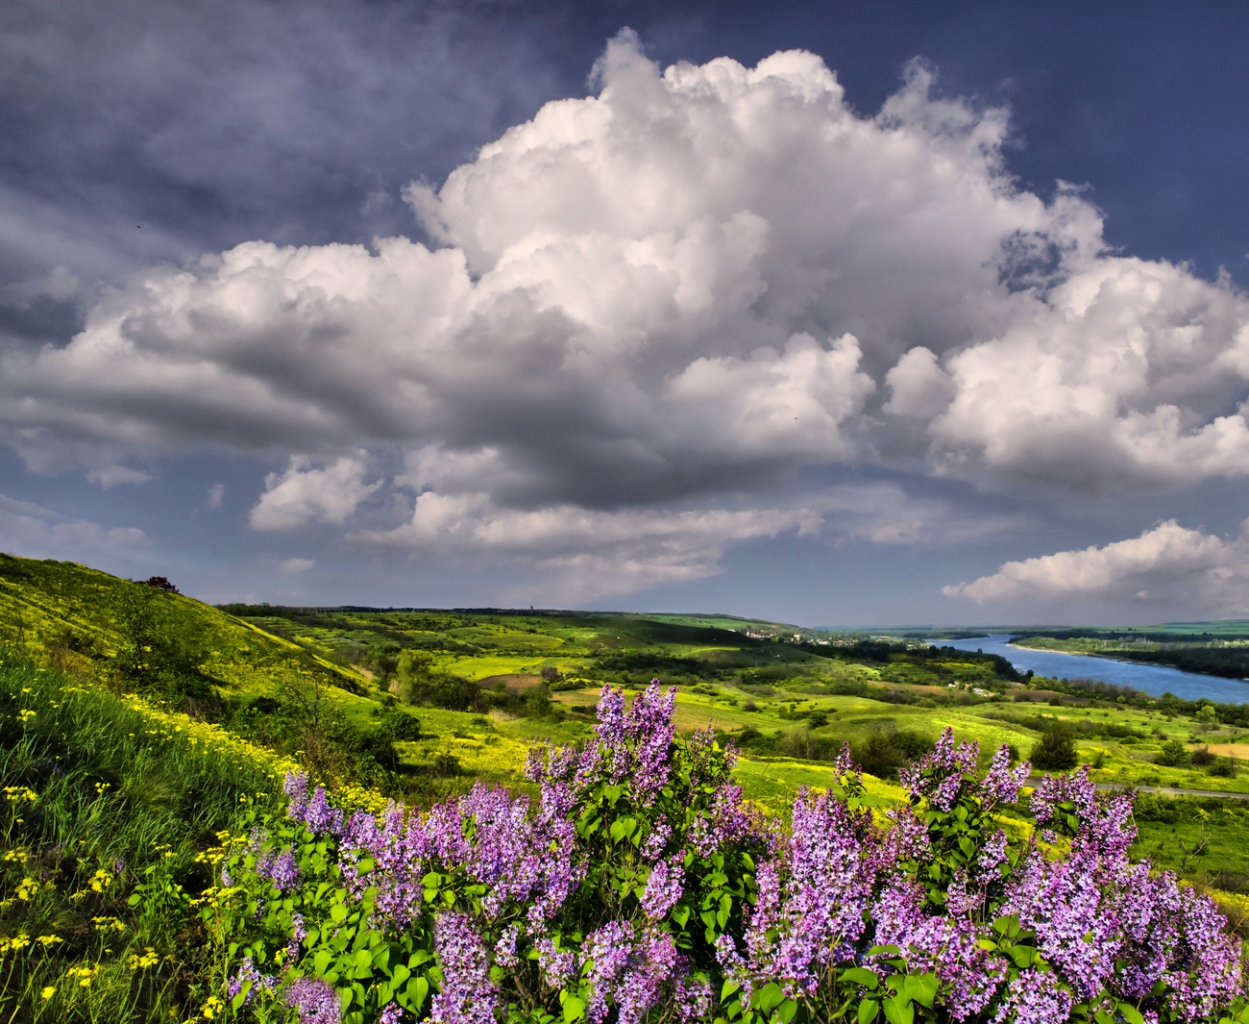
834 314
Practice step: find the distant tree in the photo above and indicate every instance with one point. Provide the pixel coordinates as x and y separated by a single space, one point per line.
160 583
1172 755
1055 752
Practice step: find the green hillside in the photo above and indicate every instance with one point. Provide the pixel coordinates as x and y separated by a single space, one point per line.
85 621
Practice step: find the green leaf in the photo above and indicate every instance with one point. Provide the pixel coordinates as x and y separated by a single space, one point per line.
1007 924
785 1012
923 988
574 1009
1131 1014
417 990
727 989
869 1010
860 976
769 997
1022 955
680 915
338 913
899 1010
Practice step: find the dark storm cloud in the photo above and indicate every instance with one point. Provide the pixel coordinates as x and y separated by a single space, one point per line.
134 132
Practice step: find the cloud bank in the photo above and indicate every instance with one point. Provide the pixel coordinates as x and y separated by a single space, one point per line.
688 286
1168 564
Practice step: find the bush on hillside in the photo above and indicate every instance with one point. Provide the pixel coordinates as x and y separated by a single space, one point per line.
1172 755
1055 751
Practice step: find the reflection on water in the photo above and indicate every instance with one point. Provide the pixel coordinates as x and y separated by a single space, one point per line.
1153 679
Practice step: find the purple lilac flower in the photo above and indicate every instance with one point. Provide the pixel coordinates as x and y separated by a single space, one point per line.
664 887
315 1001
940 775
395 850
1034 997
505 949
296 789
558 966
248 972
653 845
468 996
651 728
321 816
628 969
298 933
1001 784
1075 920
523 859
391 1014
906 839
692 999
947 946
814 915
284 871
728 821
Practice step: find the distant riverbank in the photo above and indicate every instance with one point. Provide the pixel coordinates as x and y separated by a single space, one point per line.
1152 679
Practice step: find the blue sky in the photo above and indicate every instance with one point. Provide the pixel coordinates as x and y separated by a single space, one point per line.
836 314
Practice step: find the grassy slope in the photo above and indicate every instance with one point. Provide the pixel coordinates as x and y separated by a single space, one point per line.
50 608
103 793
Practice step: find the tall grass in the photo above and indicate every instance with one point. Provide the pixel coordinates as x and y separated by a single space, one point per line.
108 806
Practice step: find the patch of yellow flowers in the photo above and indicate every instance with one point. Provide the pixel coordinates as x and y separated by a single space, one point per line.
172 725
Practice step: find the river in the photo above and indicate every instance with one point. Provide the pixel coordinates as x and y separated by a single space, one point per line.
1153 679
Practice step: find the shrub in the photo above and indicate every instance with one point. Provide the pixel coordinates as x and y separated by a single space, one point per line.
1224 767
1172 755
1202 757
640 888
1055 752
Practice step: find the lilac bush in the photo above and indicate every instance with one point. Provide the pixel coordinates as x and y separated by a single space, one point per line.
641 887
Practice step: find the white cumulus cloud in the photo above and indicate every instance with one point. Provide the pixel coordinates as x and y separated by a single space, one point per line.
590 553
306 494
1169 564
112 475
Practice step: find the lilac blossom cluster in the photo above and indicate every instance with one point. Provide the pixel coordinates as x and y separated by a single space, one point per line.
595 896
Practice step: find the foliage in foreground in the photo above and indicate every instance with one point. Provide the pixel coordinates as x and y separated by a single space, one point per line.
641 888
107 805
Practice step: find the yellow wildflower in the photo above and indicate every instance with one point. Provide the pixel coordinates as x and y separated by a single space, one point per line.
148 959
47 992
212 1006
26 716
19 941
28 888
105 924
49 940
101 880
85 974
